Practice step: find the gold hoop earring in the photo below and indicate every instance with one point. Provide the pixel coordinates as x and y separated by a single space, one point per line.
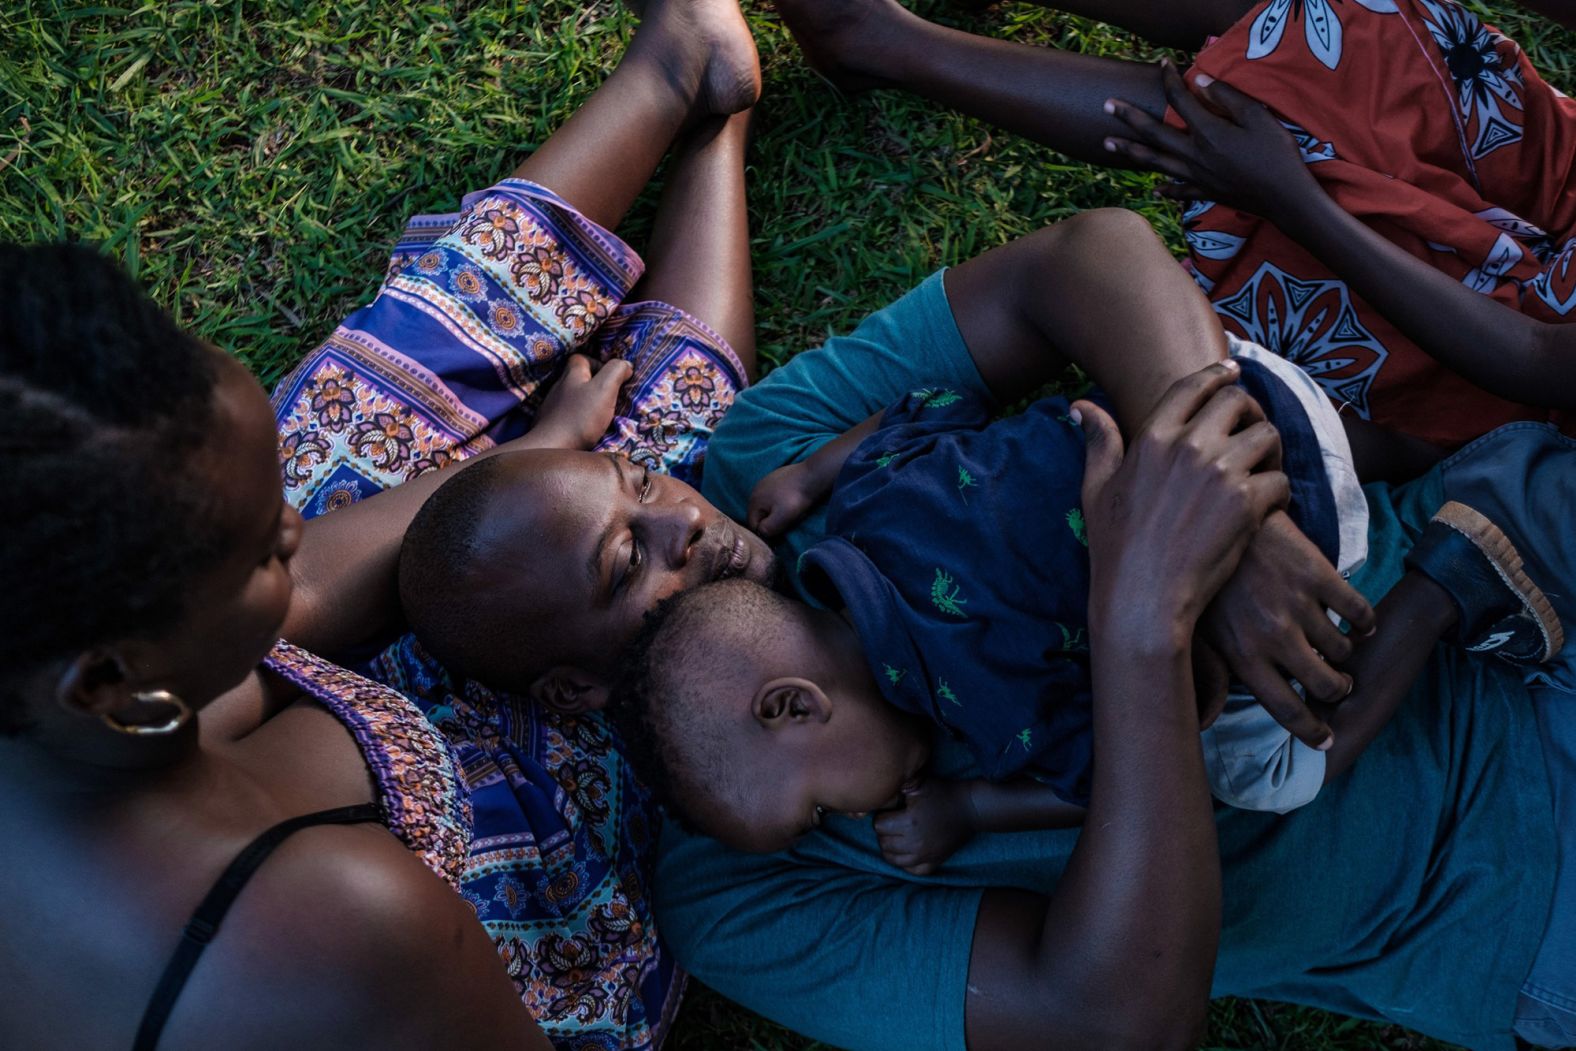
182 716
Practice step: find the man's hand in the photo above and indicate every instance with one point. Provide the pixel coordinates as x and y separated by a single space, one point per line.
1170 515
1234 150
782 499
1270 625
936 818
579 408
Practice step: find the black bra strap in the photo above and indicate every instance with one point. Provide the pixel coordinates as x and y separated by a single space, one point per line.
205 921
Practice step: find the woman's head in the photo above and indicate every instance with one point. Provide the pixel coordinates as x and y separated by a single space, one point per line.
145 536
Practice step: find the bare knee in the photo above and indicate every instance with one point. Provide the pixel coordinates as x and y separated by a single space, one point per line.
1102 235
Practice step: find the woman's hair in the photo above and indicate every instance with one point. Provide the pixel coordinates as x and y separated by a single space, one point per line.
103 400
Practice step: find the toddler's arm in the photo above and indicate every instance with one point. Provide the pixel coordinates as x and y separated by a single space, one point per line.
782 499
938 816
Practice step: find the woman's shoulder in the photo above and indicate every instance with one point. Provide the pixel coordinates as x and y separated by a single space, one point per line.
345 937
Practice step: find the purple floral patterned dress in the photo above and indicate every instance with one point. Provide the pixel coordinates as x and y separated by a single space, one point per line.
472 323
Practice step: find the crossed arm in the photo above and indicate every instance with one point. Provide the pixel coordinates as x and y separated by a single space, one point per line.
1101 291
1121 955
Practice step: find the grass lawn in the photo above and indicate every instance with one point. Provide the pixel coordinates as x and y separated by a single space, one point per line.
252 162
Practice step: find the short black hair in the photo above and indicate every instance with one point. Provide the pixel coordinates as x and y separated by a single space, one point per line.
675 746
442 561
103 401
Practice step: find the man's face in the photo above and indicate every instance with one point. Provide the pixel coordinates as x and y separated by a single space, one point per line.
587 543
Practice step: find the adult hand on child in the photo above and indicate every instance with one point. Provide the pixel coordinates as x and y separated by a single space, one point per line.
1233 150
936 818
1170 515
1269 623
580 405
781 500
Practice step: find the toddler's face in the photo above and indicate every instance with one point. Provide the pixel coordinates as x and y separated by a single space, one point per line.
852 764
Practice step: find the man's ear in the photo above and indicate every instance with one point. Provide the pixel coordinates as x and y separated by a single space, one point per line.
790 701
94 682
570 690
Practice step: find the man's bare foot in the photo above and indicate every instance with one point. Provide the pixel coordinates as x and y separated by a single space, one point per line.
841 38
705 49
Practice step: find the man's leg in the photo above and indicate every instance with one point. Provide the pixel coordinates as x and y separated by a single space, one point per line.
698 258
1054 97
688 60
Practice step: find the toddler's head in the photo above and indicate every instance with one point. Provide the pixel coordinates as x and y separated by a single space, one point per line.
753 715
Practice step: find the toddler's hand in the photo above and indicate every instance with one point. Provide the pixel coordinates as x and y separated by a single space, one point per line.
935 820
781 500
580 406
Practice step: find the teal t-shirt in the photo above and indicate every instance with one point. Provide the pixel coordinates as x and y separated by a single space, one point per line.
1414 890
821 393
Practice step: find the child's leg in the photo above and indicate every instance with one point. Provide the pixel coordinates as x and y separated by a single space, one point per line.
1412 618
689 59
1054 97
699 255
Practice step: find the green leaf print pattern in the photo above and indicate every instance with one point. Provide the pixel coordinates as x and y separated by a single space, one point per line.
893 675
965 481
1026 738
945 692
1075 522
936 397
947 600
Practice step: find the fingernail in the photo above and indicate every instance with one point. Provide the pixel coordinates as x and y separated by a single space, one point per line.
1076 415
1110 145
1327 744
1371 632
1110 106
1203 80
1230 365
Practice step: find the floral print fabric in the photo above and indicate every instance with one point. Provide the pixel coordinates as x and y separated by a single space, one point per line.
472 324
1435 130
424 802
562 858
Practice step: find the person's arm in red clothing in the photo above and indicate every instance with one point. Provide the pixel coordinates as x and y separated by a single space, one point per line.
1235 151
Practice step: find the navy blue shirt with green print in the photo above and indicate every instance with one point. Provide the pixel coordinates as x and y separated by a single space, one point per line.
957 545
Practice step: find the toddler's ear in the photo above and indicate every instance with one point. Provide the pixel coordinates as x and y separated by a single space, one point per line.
789 701
570 690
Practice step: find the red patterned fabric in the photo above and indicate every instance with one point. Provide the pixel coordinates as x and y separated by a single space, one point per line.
1435 130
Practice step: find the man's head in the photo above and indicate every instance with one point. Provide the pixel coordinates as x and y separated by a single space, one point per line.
753 715
530 571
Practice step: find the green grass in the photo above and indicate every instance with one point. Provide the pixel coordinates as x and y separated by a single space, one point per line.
252 162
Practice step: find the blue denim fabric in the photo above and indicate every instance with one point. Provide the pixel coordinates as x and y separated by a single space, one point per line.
1524 478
